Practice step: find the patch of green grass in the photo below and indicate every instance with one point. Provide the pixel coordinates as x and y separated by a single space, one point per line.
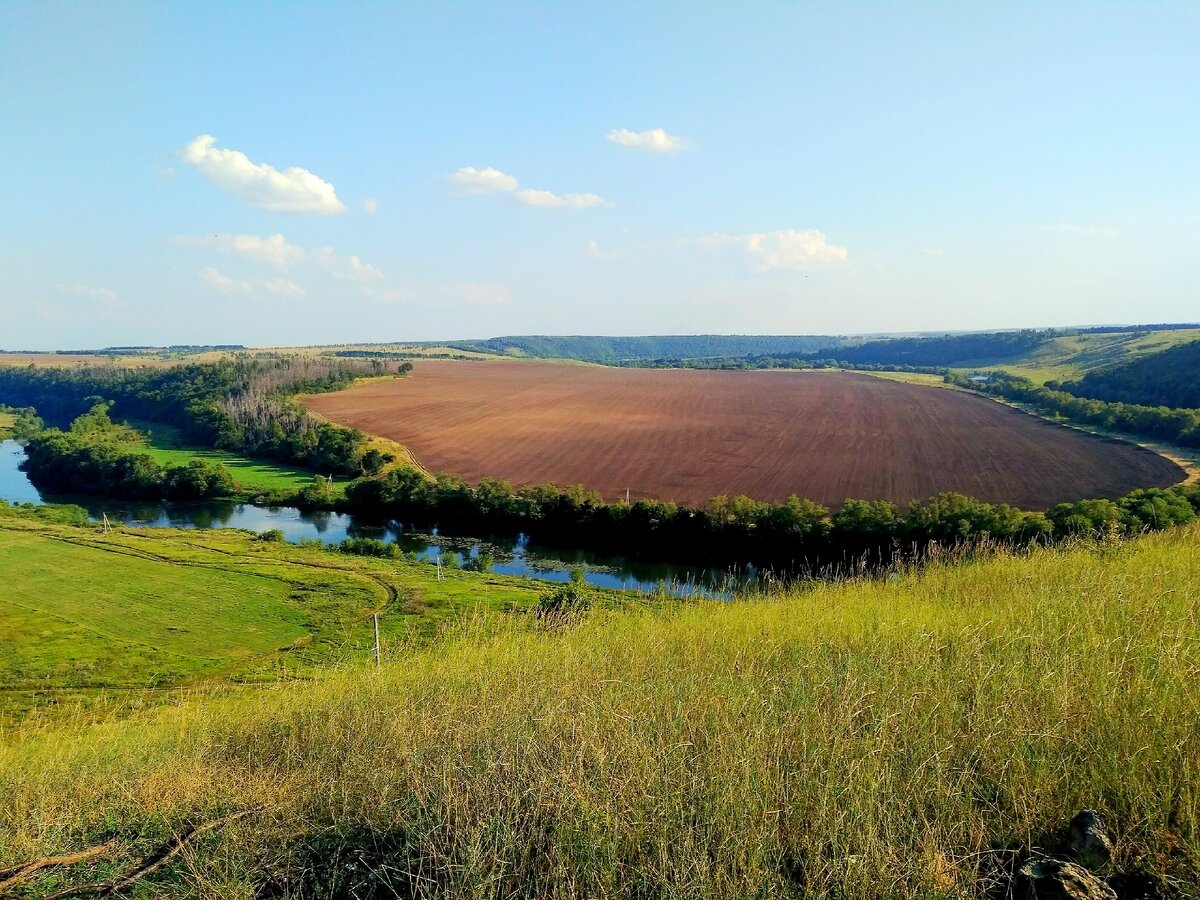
873 738
73 615
85 610
6 423
167 447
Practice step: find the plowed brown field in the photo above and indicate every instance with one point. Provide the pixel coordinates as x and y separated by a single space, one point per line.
689 435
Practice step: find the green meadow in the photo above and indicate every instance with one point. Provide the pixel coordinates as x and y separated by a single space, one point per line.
87 613
168 448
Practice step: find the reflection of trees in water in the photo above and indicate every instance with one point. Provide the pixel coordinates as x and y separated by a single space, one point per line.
320 520
217 514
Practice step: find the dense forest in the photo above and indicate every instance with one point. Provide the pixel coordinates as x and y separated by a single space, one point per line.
242 405
1170 378
1179 426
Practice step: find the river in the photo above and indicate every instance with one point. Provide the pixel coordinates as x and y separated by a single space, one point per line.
512 554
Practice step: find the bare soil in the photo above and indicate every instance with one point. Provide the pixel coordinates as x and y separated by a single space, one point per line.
689 435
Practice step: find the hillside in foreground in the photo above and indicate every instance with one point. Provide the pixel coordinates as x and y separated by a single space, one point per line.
911 736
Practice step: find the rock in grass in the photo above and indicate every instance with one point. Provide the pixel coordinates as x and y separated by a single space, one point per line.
1056 879
1088 842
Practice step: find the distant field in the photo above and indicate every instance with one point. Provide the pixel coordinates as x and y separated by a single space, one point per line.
690 435
77 359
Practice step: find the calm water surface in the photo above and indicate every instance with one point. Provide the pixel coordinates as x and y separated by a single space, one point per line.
514 555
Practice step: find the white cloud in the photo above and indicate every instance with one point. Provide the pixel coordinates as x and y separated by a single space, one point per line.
655 140
551 200
293 190
783 249
370 205
273 249
470 180
225 284
348 267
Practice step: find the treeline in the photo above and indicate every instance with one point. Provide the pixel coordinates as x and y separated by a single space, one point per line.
750 363
598 348
1170 378
1177 426
242 404
927 355
796 533
947 350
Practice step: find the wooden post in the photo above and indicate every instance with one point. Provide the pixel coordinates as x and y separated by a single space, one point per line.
375 616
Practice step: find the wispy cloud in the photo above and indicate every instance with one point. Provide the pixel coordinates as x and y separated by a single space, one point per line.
551 200
370 205
656 140
273 249
239 287
230 286
294 190
349 267
783 249
470 180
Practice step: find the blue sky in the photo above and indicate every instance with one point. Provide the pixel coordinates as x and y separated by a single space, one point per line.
272 174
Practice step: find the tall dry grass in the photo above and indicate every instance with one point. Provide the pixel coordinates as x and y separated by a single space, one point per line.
865 739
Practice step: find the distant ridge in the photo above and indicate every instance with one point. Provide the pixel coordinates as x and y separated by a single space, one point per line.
599 348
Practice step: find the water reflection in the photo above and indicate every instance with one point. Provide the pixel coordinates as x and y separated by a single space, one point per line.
511 554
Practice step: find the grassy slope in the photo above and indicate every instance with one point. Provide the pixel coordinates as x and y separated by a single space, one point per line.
6 422
139 608
79 616
869 739
1071 357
